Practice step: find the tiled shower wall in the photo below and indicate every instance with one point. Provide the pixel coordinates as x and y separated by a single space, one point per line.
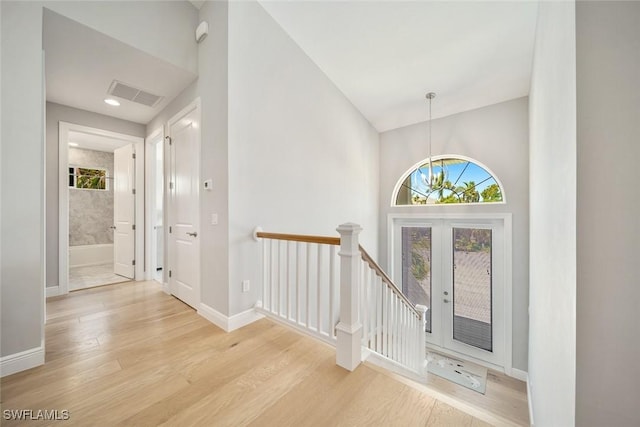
91 211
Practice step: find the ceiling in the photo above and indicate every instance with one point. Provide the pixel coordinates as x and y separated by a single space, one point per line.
89 141
386 55
81 64
383 55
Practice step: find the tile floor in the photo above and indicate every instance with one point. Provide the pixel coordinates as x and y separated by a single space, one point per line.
93 275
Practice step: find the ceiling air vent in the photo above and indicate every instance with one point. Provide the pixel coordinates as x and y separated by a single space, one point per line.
130 93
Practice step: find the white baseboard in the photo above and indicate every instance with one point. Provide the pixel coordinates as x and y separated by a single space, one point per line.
213 316
225 323
239 320
52 291
388 364
165 288
518 374
22 361
529 402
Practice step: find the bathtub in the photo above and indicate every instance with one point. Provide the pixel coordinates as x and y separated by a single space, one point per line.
84 255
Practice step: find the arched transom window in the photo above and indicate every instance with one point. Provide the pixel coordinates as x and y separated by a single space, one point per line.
456 179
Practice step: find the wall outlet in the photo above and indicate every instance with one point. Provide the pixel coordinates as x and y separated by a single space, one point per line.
245 286
214 219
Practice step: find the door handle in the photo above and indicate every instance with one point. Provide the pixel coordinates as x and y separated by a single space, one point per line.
194 234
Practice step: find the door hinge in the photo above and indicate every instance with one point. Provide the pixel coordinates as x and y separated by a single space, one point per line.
133 262
133 191
169 273
133 226
169 229
171 186
133 156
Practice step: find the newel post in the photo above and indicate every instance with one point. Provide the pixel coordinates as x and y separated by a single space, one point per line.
349 329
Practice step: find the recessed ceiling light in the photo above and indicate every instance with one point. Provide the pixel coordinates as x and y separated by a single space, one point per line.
112 101
73 144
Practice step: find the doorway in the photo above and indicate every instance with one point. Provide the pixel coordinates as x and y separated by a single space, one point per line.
99 208
155 233
457 268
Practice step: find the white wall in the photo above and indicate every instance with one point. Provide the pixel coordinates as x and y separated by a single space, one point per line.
498 137
608 291
172 25
552 286
22 130
61 113
302 159
211 87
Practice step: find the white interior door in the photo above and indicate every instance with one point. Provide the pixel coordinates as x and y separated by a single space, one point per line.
184 248
124 211
456 269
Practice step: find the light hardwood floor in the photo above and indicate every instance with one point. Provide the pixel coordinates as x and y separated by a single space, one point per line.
130 355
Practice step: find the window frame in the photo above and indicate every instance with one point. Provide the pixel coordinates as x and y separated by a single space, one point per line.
408 172
75 178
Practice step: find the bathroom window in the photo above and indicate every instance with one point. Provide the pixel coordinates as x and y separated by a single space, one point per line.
88 178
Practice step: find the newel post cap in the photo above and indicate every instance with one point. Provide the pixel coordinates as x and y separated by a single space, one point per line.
349 228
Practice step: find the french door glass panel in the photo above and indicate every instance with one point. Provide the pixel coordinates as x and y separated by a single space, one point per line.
471 287
416 267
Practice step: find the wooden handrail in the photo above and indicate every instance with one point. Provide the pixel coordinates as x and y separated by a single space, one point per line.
386 279
323 240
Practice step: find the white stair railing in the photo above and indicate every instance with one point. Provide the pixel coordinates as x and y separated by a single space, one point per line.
347 301
392 326
300 282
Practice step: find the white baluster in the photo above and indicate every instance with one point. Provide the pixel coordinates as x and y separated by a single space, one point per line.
308 285
287 281
401 341
319 290
396 327
273 272
332 291
265 273
364 280
298 279
374 309
420 353
379 312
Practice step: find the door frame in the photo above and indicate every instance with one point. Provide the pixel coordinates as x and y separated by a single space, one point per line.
154 140
63 198
506 218
169 205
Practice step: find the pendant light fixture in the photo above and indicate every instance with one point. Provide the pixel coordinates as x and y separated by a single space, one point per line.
431 181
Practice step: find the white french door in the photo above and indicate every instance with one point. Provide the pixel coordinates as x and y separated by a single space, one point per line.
455 267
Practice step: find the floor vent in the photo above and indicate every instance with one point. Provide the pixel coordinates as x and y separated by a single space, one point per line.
130 93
